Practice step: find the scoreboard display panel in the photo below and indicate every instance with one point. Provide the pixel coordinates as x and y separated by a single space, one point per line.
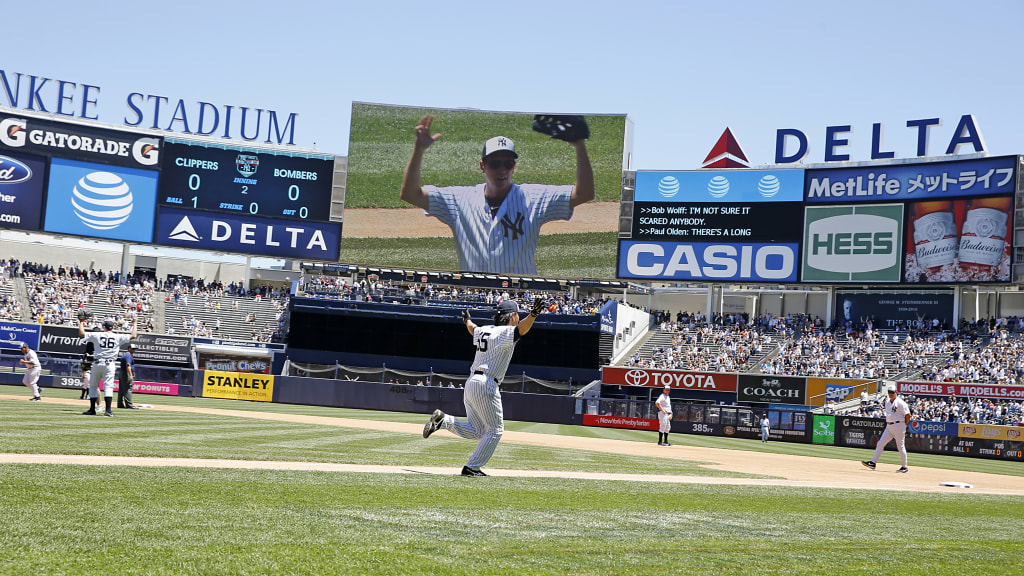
249 181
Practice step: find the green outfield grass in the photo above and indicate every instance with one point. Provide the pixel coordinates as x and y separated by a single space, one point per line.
382 137
67 519
585 255
61 519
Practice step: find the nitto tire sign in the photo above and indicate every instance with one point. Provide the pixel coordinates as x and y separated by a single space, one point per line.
853 243
772 389
75 141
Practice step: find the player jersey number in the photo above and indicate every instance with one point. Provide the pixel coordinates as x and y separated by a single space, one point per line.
481 343
107 342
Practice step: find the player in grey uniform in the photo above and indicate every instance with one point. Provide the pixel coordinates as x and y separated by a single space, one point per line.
494 346
32 370
897 416
496 224
664 403
106 346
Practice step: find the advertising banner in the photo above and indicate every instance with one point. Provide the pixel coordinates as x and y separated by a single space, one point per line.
86 199
719 186
675 378
853 243
823 429
888 310
238 386
972 447
620 422
248 234
79 142
859 432
647 260
933 428
959 240
21 190
717 223
991 432
609 314
229 363
772 389
246 181
240 343
993 391
161 349
821 391
877 183
61 340
12 334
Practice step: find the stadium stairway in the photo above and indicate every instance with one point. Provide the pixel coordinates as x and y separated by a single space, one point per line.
159 318
21 291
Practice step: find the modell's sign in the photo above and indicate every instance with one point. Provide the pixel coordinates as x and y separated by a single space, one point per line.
709 381
969 390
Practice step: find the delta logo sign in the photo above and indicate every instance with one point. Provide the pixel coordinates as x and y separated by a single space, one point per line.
793 145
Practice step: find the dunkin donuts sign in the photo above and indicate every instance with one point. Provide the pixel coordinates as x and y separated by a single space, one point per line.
681 379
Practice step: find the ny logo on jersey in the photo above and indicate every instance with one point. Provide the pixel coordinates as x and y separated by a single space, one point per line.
516 228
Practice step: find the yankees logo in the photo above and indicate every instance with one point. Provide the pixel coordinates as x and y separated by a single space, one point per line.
516 228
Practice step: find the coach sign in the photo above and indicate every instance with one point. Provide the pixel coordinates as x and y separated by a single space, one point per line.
772 389
674 378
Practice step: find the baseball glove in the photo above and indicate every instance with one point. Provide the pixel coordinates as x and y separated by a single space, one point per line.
538 306
562 127
465 316
84 315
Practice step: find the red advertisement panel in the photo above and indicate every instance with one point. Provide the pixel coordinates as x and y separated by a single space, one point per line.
956 389
682 379
620 422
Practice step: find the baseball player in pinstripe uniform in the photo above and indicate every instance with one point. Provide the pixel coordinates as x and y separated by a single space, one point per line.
897 417
496 224
106 345
494 346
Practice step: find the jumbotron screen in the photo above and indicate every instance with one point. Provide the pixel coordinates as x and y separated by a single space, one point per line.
535 206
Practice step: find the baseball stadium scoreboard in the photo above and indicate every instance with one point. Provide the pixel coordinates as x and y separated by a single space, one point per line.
80 179
943 222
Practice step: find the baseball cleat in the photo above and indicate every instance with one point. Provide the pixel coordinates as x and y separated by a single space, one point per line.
89 413
903 470
869 464
108 414
433 424
35 399
467 471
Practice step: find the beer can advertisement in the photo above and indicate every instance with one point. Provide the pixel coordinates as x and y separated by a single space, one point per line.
966 240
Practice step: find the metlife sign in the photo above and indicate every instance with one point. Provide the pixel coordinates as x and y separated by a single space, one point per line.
248 235
79 142
853 243
22 177
923 181
86 199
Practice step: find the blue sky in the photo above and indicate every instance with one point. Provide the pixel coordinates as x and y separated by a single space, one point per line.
683 71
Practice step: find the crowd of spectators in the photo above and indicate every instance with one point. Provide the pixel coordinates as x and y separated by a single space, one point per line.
10 306
951 409
823 354
57 295
1001 361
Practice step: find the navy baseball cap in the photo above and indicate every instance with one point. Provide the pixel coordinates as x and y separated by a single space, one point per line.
499 144
108 324
511 306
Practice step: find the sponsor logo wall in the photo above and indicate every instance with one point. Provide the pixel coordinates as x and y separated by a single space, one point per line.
86 199
248 234
675 378
714 225
22 179
772 389
853 243
12 334
79 142
993 391
238 386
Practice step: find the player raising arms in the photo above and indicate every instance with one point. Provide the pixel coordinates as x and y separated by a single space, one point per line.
496 224
106 345
494 346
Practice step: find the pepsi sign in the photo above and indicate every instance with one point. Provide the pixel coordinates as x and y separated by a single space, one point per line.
87 199
21 190
248 235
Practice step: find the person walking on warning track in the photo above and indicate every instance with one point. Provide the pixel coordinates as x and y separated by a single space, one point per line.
32 370
664 404
766 426
897 416
494 346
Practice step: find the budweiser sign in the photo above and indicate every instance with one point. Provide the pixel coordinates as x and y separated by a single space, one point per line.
681 379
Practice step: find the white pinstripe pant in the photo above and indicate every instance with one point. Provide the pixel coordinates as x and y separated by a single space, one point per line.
485 419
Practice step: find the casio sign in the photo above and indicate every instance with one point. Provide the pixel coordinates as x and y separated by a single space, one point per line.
772 262
852 243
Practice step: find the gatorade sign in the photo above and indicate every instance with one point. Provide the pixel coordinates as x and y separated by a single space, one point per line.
238 386
853 243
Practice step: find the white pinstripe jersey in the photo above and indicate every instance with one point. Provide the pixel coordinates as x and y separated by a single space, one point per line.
494 346
106 345
506 242
32 360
